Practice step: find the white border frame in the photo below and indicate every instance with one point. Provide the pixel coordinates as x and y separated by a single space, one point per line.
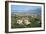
25 29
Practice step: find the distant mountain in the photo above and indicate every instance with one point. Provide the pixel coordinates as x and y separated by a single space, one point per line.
26 14
29 12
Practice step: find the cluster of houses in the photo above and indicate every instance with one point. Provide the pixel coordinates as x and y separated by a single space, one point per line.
23 20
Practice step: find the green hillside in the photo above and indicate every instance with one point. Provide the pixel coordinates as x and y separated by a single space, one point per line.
35 22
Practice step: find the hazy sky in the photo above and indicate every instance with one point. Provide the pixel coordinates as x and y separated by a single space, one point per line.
24 8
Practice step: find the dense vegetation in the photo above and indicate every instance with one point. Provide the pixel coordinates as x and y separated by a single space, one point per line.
34 22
